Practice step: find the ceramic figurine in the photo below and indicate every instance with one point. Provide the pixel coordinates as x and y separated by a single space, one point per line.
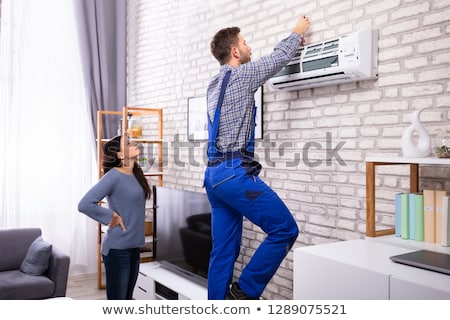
416 146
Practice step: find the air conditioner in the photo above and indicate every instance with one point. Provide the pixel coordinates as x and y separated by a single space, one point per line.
352 57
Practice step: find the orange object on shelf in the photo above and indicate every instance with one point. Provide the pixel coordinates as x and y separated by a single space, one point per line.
148 228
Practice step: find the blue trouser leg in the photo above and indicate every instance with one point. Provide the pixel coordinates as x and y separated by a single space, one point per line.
226 234
245 195
122 269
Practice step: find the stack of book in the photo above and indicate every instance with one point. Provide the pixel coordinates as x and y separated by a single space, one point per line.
423 216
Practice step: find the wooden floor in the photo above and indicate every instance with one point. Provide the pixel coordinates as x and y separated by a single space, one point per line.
84 287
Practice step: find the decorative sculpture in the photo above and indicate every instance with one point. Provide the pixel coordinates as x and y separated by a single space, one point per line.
416 141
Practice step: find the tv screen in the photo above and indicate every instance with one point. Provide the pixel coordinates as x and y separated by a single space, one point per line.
182 231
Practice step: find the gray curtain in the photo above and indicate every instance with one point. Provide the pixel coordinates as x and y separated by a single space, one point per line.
102 34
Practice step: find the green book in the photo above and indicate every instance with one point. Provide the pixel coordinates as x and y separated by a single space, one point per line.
418 217
404 233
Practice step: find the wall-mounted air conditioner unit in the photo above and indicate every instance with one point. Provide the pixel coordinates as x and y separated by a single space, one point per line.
352 57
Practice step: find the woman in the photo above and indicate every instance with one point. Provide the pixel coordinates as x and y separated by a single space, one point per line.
126 189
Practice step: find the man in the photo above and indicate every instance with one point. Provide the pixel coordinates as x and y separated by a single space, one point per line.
231 178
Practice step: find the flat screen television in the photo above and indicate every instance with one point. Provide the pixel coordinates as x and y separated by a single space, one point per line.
180 247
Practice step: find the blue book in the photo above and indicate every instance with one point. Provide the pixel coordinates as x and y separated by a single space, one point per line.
404 233
412 215
398 215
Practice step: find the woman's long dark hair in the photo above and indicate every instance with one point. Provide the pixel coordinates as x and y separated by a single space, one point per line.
110 160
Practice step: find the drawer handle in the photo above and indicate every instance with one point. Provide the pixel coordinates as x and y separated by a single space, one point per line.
142 289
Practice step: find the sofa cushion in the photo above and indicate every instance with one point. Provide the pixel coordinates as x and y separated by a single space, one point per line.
14 244
198 218
37 258
15 284
203 227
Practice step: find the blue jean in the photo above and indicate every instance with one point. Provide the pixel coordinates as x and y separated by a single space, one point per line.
122 269
234 192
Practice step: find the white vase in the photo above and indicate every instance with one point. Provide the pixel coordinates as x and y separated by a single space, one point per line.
416 141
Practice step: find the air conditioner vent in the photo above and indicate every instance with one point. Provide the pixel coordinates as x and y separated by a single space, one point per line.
352 57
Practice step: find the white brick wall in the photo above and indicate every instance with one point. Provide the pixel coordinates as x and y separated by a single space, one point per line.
169 61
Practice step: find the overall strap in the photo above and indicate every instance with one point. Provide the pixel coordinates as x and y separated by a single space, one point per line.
213 127
250 147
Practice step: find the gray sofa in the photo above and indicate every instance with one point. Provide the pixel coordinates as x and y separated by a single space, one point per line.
17 285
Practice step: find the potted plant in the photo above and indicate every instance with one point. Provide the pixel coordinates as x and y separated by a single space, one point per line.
145 163
443 151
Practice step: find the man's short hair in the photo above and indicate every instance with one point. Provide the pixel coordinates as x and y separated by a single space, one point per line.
222 42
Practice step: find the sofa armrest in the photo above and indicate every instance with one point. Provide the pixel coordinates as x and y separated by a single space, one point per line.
58 271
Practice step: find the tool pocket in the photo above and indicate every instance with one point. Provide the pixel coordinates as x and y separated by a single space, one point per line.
252 168
223 172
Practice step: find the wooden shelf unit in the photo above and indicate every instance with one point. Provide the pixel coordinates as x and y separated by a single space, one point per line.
156 139
371 164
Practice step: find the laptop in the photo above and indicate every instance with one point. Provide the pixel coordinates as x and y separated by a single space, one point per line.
425 259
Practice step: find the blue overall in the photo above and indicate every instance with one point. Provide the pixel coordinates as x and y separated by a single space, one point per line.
235 191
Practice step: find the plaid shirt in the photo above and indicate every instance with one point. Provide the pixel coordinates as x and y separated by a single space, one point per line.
236 120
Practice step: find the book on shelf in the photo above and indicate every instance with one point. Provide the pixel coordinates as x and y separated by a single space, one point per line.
423 216
445 239
398 214
412 215
439 201
418 215
429 215
404 232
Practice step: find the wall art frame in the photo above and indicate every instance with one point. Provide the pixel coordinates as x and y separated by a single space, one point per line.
198 122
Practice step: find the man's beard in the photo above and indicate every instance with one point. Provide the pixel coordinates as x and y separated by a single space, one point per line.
245 59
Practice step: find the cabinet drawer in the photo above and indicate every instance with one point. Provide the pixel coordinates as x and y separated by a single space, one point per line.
144 287
140 293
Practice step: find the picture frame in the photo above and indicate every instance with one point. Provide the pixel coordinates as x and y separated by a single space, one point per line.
198 120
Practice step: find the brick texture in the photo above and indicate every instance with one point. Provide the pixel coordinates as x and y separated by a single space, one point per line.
169 62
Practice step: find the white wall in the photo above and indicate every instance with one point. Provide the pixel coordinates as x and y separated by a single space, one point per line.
169 61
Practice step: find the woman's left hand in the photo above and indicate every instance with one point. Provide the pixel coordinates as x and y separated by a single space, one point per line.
116 220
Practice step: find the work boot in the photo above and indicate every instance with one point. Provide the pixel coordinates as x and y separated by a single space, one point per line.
236 293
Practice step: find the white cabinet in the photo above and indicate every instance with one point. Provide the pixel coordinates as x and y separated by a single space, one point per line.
409 290
158 282
361 269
